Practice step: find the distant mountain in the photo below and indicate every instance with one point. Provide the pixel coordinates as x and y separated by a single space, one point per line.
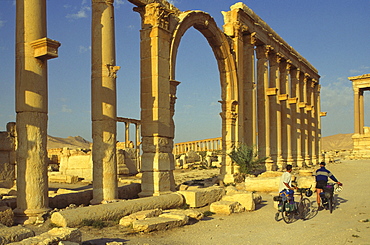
70 142
337 142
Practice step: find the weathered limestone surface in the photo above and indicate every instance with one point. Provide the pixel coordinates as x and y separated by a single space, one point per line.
268 184
73 217
226 207
7 156
6 216
53 236
245 199
84 196
62 178
14 234
160 223
128 220
202 196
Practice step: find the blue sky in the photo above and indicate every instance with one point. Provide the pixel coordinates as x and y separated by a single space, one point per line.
333 35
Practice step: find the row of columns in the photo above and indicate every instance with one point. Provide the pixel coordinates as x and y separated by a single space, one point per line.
287 111
279 93
214 144
137 124
33 50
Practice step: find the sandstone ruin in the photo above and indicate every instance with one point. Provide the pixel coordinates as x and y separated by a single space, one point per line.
270 97
361 136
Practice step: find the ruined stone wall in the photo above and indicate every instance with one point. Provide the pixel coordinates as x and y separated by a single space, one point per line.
78 162
7 156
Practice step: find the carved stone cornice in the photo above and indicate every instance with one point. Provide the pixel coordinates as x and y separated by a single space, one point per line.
154 15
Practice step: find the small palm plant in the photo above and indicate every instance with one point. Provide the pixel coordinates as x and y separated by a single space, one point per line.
246 157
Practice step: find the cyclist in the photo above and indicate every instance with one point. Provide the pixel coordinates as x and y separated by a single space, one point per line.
285 184
321 176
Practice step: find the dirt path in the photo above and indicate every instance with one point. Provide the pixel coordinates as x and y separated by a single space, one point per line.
259 227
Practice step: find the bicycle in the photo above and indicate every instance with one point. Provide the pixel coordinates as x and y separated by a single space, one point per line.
327 196
290 211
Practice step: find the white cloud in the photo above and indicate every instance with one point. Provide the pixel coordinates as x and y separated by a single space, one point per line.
361 70
337 94
83 49
119 2
82 13
173 2
66 109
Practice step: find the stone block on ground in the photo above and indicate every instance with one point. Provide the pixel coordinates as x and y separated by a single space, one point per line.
62 178
191 213
6 216
245 199
158 223
306 182
128 220
68 243
54 236
14 234
202 196
226 207
262 184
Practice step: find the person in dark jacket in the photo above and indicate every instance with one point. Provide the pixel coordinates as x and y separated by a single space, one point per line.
322 175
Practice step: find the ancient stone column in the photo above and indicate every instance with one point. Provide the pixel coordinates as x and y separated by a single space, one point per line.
318 128
104 102
293 105
157 159
263 107
304 121
285 152
138 142
300 119
315 117
33 50
309 111
362 111
127 134
275 112
250 126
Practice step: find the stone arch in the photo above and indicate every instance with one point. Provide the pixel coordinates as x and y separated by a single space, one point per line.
206 25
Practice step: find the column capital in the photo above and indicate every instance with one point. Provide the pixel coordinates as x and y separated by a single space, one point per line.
275 58
251 38
262 51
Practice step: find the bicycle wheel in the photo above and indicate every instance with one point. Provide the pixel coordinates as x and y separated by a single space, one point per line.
288 216
330 204
277 216
304 208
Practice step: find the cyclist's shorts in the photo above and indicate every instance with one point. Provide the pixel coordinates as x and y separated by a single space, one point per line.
320 184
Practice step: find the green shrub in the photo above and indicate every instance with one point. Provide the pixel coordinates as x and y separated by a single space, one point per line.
246 157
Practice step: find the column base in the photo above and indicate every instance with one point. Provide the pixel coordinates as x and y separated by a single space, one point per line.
291 161
29 216
155 183
227 178
270 165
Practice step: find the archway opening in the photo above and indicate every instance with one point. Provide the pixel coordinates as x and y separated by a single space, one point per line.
197 110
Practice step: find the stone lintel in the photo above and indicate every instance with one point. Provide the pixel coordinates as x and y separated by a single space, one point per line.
302 105
309 107
271 91
293 100
45 48
283 97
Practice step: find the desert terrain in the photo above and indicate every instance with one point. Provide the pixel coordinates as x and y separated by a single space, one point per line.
348 224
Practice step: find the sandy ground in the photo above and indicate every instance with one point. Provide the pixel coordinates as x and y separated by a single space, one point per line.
343 226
